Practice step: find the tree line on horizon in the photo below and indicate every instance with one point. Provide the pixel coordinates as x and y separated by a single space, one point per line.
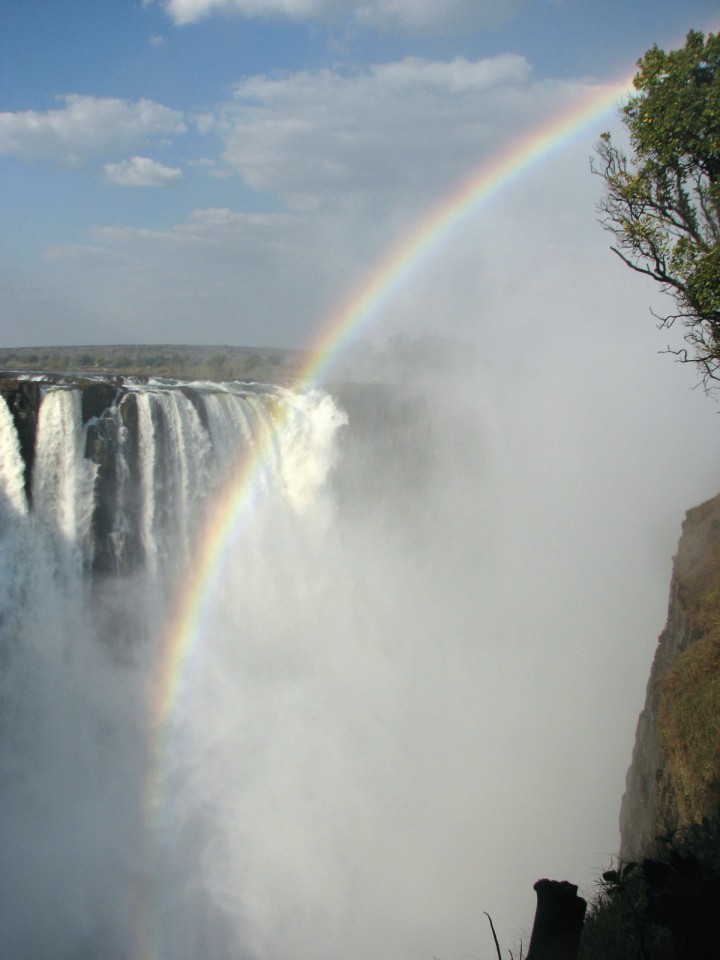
192 362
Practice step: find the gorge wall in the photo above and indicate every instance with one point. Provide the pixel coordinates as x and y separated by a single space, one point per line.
674 776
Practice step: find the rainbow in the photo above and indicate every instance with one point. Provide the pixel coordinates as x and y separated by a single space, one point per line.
235 501
482 185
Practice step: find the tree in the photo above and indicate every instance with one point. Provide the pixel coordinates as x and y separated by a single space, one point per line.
663 205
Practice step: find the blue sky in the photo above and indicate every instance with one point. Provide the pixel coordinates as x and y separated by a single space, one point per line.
198 170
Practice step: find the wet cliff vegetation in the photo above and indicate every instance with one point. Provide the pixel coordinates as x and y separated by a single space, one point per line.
674 777
662 900
689 711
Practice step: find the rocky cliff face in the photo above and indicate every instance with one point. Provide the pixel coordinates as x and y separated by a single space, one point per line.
674 777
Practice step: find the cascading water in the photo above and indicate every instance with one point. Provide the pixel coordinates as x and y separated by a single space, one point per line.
93 558
12 467
63 479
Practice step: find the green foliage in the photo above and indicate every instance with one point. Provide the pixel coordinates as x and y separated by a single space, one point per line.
663 204
624 921
616 927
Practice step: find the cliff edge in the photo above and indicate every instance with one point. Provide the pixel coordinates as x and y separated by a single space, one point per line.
674 776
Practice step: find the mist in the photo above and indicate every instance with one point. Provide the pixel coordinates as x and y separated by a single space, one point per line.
414 692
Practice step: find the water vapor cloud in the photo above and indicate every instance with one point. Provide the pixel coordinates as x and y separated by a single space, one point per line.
397 15
382 134
85 127
141 172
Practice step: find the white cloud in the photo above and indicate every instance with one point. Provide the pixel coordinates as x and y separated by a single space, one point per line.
382 136
430 15
354 159
85 127
140 172
190 11
455 77
413 15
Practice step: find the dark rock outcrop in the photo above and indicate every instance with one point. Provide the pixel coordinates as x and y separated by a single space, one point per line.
97 396
558 924
115 535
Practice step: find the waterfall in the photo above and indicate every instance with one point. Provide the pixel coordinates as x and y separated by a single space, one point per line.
90 571
63 479
11 464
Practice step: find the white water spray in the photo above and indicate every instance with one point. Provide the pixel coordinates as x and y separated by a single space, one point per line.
404 706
